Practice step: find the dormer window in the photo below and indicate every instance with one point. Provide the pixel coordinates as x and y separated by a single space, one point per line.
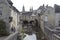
46 18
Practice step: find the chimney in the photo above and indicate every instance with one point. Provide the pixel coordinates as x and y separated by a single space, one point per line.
43 5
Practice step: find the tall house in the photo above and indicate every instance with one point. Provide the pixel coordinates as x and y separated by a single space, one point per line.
15 18
5 11
57 12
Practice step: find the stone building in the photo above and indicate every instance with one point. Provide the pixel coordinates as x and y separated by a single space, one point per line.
57 14
50 21
40 12
15 18
5 11
50 16
46 14
27 15
9 14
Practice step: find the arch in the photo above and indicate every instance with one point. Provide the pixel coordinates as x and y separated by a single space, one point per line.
25 22
31 21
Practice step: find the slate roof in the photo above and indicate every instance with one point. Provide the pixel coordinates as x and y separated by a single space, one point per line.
10 2
35 12
27 13
14 8
57 8
40 7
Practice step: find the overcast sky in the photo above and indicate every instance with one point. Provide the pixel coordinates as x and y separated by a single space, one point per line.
33 3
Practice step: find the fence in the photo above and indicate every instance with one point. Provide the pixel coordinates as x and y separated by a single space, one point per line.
56 37
51 32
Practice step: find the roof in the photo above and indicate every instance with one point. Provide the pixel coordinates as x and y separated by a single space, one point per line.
34 12
40 7
14 8
9 1
33 15
57 8
27 13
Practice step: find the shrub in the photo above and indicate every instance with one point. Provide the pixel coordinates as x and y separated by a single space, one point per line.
3 31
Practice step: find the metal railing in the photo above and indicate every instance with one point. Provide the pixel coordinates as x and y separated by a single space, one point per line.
51 32
56 37
48 32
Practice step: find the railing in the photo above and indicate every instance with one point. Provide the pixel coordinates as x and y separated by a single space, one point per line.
56 37
50 32
12 36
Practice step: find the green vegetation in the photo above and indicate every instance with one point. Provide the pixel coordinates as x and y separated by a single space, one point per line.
23 35
3 31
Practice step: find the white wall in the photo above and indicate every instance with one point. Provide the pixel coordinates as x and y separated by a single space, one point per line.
57 19
14 20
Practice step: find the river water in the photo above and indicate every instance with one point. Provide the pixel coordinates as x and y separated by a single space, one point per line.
30 37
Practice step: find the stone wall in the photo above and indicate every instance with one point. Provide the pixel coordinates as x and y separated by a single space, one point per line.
12 36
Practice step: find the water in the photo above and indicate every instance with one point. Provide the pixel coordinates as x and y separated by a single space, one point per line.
30 37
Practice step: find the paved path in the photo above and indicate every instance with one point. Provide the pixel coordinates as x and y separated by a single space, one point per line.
2 38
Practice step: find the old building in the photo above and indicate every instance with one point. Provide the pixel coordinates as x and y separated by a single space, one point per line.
9 14
46 14
27 15
15 17
40 12
57 14
50 16
50 21
5 12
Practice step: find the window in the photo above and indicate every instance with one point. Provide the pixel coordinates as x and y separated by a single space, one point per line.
46 18
0 11
38 11
10 19
59 23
